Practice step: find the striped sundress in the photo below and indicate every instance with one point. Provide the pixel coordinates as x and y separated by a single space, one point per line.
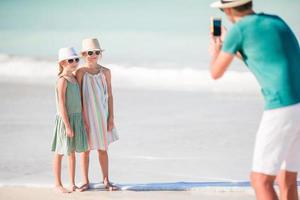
95 102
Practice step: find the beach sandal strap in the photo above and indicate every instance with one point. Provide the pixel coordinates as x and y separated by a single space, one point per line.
84 187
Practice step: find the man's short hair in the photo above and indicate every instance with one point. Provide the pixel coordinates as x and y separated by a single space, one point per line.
244 7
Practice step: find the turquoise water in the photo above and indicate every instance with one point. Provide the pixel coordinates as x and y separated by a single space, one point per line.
133 32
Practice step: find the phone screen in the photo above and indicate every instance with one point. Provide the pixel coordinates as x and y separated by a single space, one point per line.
217 23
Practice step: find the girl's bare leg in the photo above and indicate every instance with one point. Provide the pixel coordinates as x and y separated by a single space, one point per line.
85 156
57 173
72 165
103 159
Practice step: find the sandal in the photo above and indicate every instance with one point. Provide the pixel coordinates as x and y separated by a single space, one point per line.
84 187
110 187
74 188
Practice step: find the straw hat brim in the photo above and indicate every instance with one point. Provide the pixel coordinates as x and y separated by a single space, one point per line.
70 57
219 4
85 50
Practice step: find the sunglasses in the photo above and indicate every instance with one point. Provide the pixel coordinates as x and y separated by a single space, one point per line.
72 60
90 53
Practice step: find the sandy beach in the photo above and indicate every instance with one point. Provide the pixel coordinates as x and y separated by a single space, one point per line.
176 133
27 121
17 193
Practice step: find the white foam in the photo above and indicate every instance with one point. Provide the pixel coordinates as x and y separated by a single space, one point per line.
188 79
16 67
25 69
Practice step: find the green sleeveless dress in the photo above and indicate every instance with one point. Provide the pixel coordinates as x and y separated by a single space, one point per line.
61 143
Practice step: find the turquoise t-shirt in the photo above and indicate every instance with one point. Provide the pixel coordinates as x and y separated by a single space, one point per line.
271 51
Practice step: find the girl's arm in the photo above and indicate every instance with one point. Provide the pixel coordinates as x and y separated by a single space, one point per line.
110 100
61 90
79 77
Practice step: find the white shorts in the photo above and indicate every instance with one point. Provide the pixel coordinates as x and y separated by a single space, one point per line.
277 143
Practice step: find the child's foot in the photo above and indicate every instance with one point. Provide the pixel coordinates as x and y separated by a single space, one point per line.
61 189
74 188
84 187
109 186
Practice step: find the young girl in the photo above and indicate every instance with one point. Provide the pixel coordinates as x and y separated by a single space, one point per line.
69 133
95 82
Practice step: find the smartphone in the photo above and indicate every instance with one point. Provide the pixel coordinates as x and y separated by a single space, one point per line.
216 24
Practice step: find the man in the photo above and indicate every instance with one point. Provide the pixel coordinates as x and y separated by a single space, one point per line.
271 52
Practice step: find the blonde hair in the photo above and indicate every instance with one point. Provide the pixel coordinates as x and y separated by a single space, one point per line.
60 69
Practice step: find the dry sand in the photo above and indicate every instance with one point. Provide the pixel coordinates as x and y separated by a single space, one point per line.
20 193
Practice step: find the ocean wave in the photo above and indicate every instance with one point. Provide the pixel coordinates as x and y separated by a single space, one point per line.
27 69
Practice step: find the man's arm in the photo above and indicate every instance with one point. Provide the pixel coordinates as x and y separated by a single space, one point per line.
220 60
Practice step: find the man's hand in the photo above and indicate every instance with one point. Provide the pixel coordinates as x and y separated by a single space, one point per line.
215 46
223 33
220 61
216 43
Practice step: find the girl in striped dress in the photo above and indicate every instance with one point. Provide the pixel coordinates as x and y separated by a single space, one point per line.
95 82
69 133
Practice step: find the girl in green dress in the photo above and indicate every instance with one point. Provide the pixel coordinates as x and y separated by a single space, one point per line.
69 133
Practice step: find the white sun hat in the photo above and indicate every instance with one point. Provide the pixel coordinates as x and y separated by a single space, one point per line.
229 3
67 53
91 44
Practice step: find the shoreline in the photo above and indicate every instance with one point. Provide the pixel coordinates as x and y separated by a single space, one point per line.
212 186
230 186
35 192
16 193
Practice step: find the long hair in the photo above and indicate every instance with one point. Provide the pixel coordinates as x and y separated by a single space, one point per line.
60 69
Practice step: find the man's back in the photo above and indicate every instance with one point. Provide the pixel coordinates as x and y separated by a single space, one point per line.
272 53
